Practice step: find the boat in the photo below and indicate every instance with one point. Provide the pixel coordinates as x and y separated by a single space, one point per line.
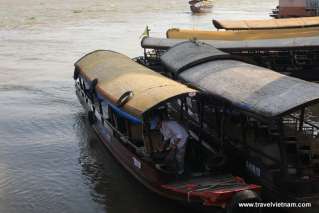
120 97
261 119
200 6
289 51
296 8
297 57
283 23
242 35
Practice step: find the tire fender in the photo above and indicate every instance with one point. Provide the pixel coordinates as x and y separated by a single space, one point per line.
246 196
124 98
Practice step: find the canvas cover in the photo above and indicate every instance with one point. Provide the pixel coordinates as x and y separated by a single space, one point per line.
175 33
282 23
288 43
117 74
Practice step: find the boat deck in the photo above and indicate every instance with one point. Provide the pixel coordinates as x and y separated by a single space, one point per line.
210 190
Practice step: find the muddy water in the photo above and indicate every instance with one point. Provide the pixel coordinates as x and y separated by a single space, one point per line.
50 160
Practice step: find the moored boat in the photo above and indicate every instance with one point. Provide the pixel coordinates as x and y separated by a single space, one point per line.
296 8
270 24
121 97
292 56
262 119
244 35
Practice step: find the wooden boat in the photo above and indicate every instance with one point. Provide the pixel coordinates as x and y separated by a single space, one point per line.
270 24
284 23
273 49
259 117
296 57
200 6
121 96
175 33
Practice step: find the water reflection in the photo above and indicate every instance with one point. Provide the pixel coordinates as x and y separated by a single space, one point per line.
50 159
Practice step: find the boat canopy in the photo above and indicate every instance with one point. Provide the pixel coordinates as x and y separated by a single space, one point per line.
282 23
183 56
288 43
175 33
251 88
118 74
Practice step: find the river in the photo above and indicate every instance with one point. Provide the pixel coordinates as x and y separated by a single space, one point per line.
50 159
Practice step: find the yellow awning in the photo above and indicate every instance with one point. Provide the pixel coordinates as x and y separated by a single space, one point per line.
175 33
282 23
117 74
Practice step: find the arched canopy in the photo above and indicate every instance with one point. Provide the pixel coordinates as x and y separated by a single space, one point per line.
242 35
226 45
251 88
117 74
282 23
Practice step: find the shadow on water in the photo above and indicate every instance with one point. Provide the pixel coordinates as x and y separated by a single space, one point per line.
112 186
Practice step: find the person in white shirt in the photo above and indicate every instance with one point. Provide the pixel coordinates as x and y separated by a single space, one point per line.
177 136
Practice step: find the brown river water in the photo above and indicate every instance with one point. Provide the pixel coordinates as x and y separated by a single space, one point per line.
50 159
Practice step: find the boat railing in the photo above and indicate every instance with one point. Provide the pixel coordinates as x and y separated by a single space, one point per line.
277 161
308 128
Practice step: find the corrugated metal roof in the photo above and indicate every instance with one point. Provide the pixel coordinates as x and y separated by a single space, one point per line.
176 33
191 53
117 74
288 43
252 88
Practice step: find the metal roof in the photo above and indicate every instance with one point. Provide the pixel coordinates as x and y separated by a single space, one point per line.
191 53
288 43
176 33
117 74
251 88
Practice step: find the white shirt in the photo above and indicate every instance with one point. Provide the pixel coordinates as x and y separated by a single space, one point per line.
171 130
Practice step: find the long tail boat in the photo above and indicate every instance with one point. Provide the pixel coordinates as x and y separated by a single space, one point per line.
264 121
120 97
176 33
269 24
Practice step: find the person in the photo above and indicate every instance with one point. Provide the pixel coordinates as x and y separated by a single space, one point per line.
177 136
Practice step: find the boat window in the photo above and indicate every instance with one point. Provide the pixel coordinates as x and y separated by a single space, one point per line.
105 110
136 134
200 156
301 141
263 141
201 117
153 141
211 117
173 110
127 132
193 108
118 122
233 120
